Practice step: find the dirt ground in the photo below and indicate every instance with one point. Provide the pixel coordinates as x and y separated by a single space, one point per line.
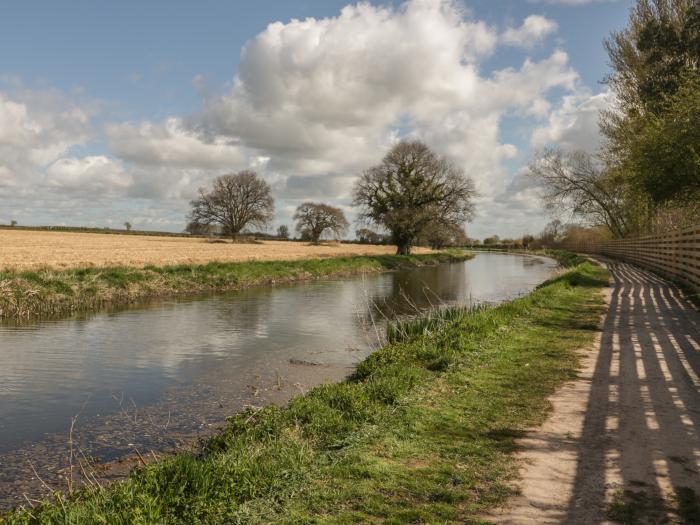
623 442
37 249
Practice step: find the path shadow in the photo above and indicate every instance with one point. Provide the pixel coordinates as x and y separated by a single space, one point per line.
638 458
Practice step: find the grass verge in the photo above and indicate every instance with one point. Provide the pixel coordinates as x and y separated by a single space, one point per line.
423 432
49 292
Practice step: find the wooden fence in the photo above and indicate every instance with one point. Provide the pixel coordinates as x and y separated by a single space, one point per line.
675 255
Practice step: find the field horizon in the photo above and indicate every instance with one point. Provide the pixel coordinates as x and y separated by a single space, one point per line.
37 249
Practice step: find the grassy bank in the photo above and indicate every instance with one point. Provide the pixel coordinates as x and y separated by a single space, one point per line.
50 292
422 433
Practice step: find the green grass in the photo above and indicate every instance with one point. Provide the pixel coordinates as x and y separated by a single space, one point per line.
423 432
49 292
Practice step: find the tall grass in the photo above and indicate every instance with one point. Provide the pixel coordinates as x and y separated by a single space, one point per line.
405 330
48 292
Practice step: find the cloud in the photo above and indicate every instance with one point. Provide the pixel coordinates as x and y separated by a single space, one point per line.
91 175
312 104
327 97
572 2
172 145
534 29
36 128
573 124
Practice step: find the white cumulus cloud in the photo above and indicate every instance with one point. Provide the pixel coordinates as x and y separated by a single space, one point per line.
327 97
36 128
573 124
312 104
92 174
170 144
534 29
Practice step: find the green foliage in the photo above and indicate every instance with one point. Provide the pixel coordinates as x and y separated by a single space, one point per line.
401 441
664 155
652 147
411 188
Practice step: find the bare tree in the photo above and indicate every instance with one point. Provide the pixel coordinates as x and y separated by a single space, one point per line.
314 219
367 236
236 201
439 235
573 183
411 188
283 232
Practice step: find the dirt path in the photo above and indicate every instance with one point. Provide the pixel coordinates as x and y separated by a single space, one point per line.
623 443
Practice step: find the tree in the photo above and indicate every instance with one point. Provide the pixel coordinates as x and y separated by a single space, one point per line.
195 228
490 241
235 202
411 188
13 223
438 235
283 232
653 131
649 58
367 236
663 156
314 219
554 231
574 183
127 225
528 240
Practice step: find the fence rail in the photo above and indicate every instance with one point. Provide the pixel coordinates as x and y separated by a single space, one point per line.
675 255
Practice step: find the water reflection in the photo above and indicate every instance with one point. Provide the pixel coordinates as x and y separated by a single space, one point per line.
150 375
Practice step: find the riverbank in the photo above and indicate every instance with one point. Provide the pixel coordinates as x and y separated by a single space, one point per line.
423 431
49 292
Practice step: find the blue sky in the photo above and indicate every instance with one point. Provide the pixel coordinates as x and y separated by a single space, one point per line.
114 111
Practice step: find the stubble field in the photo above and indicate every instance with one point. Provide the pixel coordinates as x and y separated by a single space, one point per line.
28 250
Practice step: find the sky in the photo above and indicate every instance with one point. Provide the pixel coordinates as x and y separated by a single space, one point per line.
120 111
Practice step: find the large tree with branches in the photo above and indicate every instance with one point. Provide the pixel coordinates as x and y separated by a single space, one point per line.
235 202
411 189
314 219
574 183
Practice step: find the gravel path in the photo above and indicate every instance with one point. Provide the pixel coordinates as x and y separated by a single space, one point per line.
624 439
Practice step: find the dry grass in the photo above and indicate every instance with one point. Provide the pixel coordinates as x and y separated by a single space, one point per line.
28 250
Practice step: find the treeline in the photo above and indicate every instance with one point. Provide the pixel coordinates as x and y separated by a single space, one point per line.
646 176
88 229
414 195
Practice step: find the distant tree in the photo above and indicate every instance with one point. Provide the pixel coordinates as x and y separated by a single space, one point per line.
367 236
553 233
13 223
438 235
283 232
315 219
411 188
127 225
494 239
196 228
236 201
527 240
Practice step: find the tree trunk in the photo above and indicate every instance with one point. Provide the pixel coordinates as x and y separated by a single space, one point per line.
403 248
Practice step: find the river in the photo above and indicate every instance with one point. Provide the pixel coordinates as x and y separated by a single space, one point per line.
157 376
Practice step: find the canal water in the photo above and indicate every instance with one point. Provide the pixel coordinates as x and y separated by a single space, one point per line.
154 377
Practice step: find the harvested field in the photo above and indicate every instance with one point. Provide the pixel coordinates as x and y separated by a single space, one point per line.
27 250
